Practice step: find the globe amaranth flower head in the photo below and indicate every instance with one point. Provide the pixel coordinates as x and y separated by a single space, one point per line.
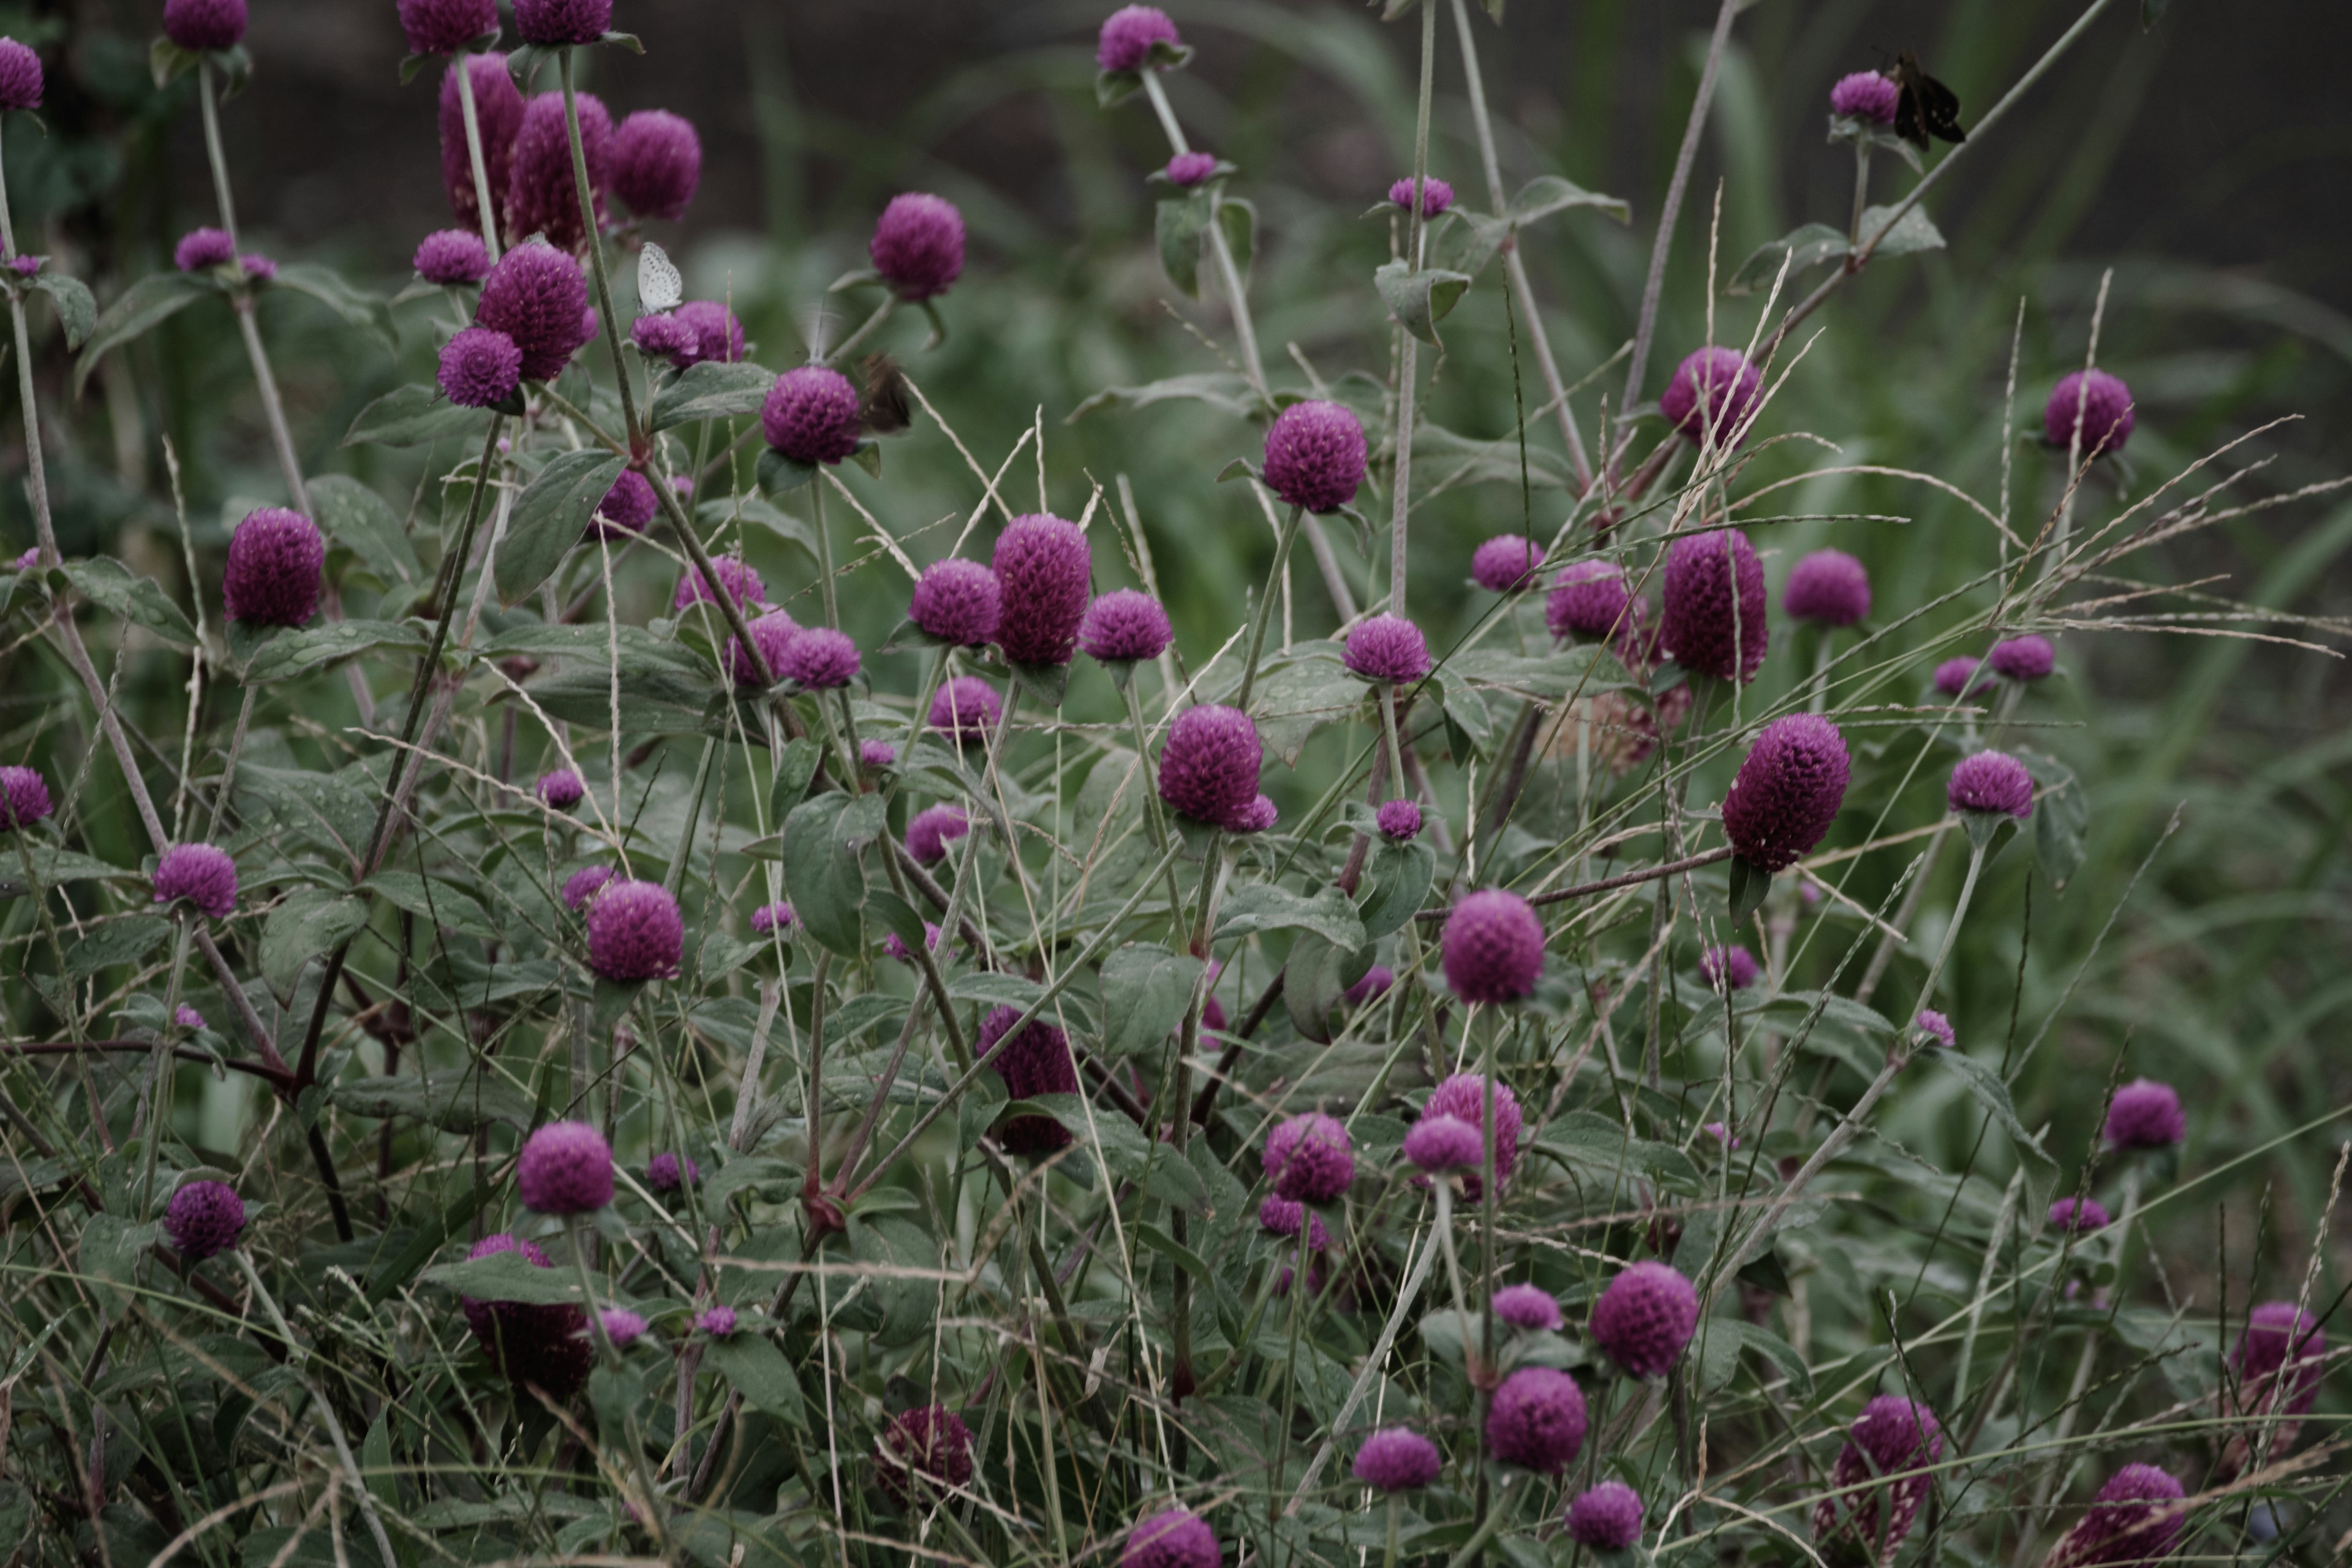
1043 568
1536 1420
1034 1061
1399 820
1528 1307
583 885
967 709
623 1327
2029 658
772 634
498 113
1286 1217
202 1219
1186 169
716 1322
24 798
1387 650
1644 1317
821 659
201 250
812 416
922 1450
1606 1518
664 336
2078 1215
536 296
561 789
452 255
1438 1143
635 932
1125 626
667 1172
1493 947
1733 962
771 918
1711 395
1397 1458
533 1345
480 368
737 578
543 190
1127 35
1375 983
876 754
627 507
565 1168
187 1017
1787 791
201 873
1315 455
2132 1522
917 245
1962 677
656 162
2145 1114
20 76
1828 586
1894 1437
1991 781
717 333
1588 600
202 26
2104 410
1310 1159
957 602
1866 95
1936 1027
930 829
1505 562
1463 1097
1209 767
2282 1353
1436 196
1712 615
552 23
445 26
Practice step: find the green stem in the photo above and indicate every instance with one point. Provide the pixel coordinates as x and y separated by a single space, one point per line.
612 333
1275 578
1409 362
1228 273
463 66
215 157
882 313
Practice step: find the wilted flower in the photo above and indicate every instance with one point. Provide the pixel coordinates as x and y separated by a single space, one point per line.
922 1450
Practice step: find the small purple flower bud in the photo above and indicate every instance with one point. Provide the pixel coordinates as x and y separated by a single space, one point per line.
561 789
623 1327
917 245
1376 982
1315 455
1463 1097
656 163
536 296
1209 767
812 415
24 798
1436 196
1712 620
876 754
204 1218
821 659
1895 1437
2078 1215
452 255
1787 791
665 337
1644 1317
741 581
1400 820
627 507
1310 1159
1285 1216
480 368
553 23
1936 1027
1711 395
717 1321
1505 562
1125 626
2274 1330
565 1168
667 1173
585 884
1991 781
769 919
2029 658
774 635
1723 1136
257 268
1536 1420
1734 963
1387 650
1189 169
957 602
1493 947
966 709
187 1017
1866 95
1528 1307
1258 817
635 932
922 1450
201 26
201 873
1042 566
2131 1524
2105 411
1034 1062
1438 1143
1606 1518
445 26
20 76
542 191
1588 600
1828 586
202 249
1397 1458
1127 35
718 334
1954 678
497 112
27 266
929 834
2145 1114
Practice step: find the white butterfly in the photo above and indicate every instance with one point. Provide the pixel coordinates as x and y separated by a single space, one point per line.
659 287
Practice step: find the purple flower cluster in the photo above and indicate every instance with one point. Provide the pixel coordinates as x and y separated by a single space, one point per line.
204 1218
1387 650
1711 394
769 919
534 1346
536 296
627 507
1505 562
445 26
1043 568
1733 963
656 163
2131 1523
565 1167
1828 586
1399 820
2104 410
1991 781
543 190
1866 95
2145 1114
668 1173
1125 626
1936 1027
772 634
1436 196
1033 1062
1712 617
1493 948
1889 1444
452 255
201 873
201 26
2078 1215
812 416
917 245
1438 1143
2025 658
1186 169
819 660
1309 1159
1284 1216
480 368
1606 1518
957 602
1588 600
929 833
923 1451
561 789
1462 1098
1644 1317
581 888
1129 33
202 249
1208 769
734 576
24 798
1315 455
635 932
967 709
1960 678
1397 1458
20 76
497 112
1528 1307
554 23
1787 791
1536 1420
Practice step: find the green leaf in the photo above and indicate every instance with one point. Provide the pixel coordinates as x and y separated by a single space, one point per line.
357 307
1748 886
146 303
111 1246
550 516
758 1371
1985 1084
1315 978
312 648
1548 194
1221 390
1238 218
1145 990
1394 886
1469 726
356 516
1803 248
1175 1251
1181 222
712 390
795 765
76 310
436 901
52 866
1115 87
459 1101
507 1277
2062 817
1773 1348
779 474
311 921
1420 300
116 942
823 875
109 584
1048 684
1264 906
523 63
414 415
167 62
1915 232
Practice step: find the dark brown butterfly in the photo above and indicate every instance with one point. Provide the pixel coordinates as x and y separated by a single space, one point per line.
885 406
1927 107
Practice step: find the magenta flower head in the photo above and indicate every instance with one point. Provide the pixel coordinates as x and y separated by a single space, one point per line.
561 789
957 602
1285 1216
1536 1420
1315 455
24 798
773 634
741 581
627 507
769 919
1125 626
1606 1518
1436 196
821 659
1397 1458
966 709
202 1219
1208 769
20 76
2029 658
553 23
257 268
1189 169
1528 1307
923 1451
1129 33
202 249
1711 394
1042 566
1376 982
480 368
1399 820
536 296
1493 947
1387 650
717 333
2131 1523
2279 1360
201 873
1310 1159
1439 1144
1866 95
202 26
2078 1215
1828 586
1712 620
665 337
1962 677
876 754
917 245
1505 562
667 1173
533 1345
1588 601
272 576
623 1327
497 111
656 162
1991 781
929 834
2145 1114
1462 1098
717 1323
187 1017
565 1168
1644 1317
452 255
894 946
635 932
1787 791
542 191
1034 1062
1936 1027
1891 1442
812 416
2106 410
585 884
445 26
1733 963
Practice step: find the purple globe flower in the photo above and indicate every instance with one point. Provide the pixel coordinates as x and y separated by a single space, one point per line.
497 111
257 268
480 368
554 23
1033 1062
200 26
635 932
2105 411
20 76
623 1327
1189 169
1399 820
2029 658
1893 1438
741 581
665 337
1462 1098
957 602
1397 1458
452 255
718 334
1387 650
201 873
1436 196
27 560
1644 1317
1962 677
656 163
1528 1307
821 659
1209 767
1828 586
1713 618
876 754
1721 1133
536 296
565 1168
1936 1027
717 1323
542 191
2078 1215
202 249
2278 1362
585 884
627 507
667 1173
2145 1114
1734 963
187 1017
1787 791
534 1346
1505 562
1129 33
1991 781
24 798
923 1451
1606 1518
1588 600
1866 95
1125 626
812 415
445 26
1285 1217
929 833
1258 817
1310 1159
769 919
895 947
917 245
1536 1420
773 634
561 789
2132 1522
202 1218
1315 455
1042 566
966 709
1438 1143
1711 395
1375 983
1493 947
